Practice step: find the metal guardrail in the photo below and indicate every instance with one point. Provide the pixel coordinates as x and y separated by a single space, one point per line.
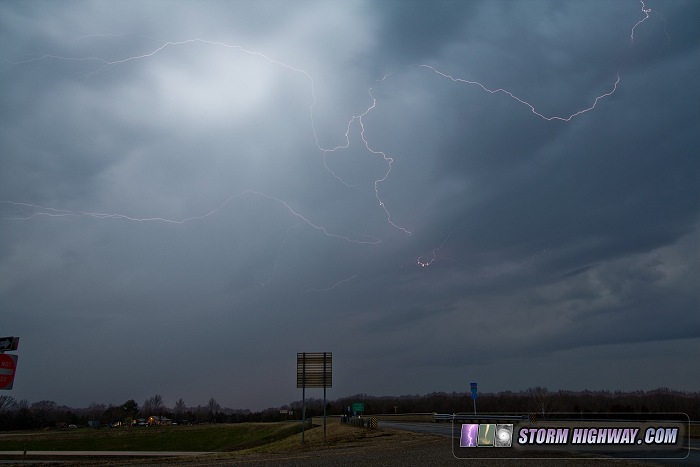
458 417
464 416
439 417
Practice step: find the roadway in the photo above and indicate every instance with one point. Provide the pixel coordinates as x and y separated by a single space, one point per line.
445 429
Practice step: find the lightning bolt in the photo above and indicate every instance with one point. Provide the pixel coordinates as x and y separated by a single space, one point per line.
107 64
425 263
389 162
471 435
646 12
469 431
34 211
52 212
279 252
522 101
342 281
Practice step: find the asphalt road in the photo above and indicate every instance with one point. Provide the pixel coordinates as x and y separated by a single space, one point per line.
445 429
417 450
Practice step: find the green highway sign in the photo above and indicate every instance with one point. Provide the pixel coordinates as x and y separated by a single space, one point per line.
358 406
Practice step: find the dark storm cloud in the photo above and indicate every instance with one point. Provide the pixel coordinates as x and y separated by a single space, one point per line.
415 30
542 243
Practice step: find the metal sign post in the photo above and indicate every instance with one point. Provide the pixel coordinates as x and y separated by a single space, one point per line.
303 396
324 396
474 395
314 370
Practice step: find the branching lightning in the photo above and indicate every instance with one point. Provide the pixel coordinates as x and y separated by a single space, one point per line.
425 263
527 104
32 211
646 12
51 212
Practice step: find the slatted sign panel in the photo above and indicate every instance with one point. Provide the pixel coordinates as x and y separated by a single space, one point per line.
314 369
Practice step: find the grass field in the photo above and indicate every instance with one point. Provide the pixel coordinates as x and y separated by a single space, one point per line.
223 437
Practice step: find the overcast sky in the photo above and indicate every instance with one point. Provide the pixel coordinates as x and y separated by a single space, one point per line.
438 193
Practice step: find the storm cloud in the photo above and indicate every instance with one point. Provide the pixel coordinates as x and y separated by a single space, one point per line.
193 192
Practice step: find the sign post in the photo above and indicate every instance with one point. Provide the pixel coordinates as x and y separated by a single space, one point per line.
314 370
474 394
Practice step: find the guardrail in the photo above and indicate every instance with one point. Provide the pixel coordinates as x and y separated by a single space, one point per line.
404 417
442 417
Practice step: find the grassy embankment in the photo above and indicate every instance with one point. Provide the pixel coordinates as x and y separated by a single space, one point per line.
248 437
224 437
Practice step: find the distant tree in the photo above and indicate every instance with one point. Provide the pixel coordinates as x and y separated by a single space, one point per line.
158 404
24 420
179 409
111 414
96 409
146 409
44 412
130 409
541 399
153 406
7 404
200 414
44 405
213 407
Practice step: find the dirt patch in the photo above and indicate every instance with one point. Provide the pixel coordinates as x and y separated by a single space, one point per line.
339 434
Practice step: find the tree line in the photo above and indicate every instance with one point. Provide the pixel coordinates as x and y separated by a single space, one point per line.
22 415
537 400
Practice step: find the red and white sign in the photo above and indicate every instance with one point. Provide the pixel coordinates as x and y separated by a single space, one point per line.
8 366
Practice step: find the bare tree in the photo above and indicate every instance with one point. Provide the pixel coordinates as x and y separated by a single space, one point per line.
7 403
158 404
200 414
542 400
213 407
95 409
146 409
153 406
179 409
